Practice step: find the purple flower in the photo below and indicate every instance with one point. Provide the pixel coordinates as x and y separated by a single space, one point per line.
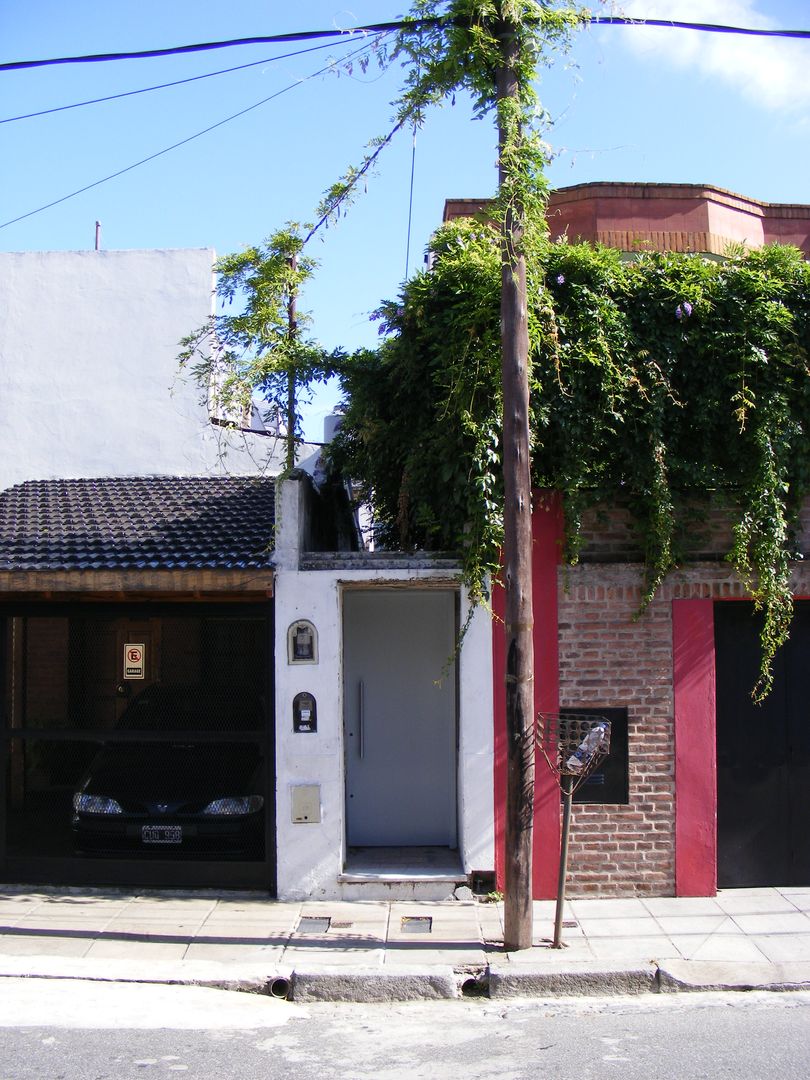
560 279
683 309
678 312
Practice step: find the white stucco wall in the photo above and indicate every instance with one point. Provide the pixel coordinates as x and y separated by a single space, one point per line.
310 856
88 363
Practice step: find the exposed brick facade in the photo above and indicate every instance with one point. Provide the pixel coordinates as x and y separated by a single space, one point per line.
594 649
663 217
611 657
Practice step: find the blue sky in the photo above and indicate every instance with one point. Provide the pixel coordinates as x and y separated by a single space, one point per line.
628 104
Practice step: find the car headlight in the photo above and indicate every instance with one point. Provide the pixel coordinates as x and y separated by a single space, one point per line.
235 804
95 804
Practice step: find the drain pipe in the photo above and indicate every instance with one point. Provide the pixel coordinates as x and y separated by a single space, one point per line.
279 988
473 986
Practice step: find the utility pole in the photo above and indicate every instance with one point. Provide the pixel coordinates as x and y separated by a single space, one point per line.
517 568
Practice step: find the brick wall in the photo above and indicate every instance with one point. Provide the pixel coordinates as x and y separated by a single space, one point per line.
610 659
608 534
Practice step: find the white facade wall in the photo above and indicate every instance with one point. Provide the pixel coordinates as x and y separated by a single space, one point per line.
311 855
88 362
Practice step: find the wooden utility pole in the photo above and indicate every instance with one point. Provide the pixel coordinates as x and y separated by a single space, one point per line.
517 538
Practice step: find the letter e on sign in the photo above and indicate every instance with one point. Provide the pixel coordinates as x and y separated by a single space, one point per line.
134 661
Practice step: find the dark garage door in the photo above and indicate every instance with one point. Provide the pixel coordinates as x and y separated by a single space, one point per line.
138 745
763 754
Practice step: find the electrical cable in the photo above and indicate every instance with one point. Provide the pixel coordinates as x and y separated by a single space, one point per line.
165 86
197 135
594 20
711 28
606 20
270 39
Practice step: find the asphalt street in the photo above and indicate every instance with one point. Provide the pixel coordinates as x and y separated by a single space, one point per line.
68 1030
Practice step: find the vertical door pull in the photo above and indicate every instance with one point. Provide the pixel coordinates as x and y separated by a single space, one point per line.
361 748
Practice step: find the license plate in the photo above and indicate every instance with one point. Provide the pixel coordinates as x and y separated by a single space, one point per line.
162 834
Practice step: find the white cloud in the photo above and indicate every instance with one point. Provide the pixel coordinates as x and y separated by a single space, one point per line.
770 72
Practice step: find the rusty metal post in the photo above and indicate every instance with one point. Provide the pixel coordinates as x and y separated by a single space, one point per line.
568 797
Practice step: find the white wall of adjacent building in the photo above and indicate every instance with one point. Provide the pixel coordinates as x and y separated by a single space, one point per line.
88 362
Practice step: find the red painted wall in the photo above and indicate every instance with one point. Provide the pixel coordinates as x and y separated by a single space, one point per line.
693 662
547 529
546 552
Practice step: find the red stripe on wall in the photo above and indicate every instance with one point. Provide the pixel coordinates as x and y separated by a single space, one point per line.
547 531
693 667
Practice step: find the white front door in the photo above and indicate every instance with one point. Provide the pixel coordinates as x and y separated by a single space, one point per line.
400 717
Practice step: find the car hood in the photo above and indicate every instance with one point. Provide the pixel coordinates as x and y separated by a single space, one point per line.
143 773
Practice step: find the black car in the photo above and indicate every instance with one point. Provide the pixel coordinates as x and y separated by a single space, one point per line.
181 778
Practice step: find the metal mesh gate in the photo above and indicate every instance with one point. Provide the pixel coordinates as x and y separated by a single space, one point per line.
137 745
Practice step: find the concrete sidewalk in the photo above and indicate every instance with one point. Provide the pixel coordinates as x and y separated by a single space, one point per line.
398 950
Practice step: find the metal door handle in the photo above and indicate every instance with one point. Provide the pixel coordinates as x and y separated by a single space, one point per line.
360 720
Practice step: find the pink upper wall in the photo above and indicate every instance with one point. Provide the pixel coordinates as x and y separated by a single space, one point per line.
664 217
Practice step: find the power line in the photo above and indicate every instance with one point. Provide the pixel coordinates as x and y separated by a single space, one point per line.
383 28
191 138
270 39
164 86
414 24
711 28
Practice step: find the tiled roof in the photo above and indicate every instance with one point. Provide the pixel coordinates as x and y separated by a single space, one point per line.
156 522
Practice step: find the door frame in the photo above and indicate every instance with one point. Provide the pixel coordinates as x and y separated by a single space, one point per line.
424 587
695 735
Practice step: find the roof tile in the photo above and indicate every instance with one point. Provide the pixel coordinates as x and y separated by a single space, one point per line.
118 523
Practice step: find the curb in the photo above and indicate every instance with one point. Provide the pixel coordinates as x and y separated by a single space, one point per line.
572 979
211 974
372 985
689 975
368 985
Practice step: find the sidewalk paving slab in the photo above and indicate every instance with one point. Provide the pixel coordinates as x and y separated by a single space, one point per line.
363 950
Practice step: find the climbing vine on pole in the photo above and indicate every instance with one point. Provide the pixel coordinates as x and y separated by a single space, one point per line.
444 48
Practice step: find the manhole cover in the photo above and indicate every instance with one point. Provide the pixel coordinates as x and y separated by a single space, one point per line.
416 924
307 924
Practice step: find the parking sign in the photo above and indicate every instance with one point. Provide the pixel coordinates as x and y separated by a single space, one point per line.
134 661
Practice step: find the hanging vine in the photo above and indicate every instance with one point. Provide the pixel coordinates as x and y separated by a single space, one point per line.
653 379
656 377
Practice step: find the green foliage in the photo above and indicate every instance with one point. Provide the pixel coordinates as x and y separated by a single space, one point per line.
262 348
445 47
449 46
424 412
652 378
